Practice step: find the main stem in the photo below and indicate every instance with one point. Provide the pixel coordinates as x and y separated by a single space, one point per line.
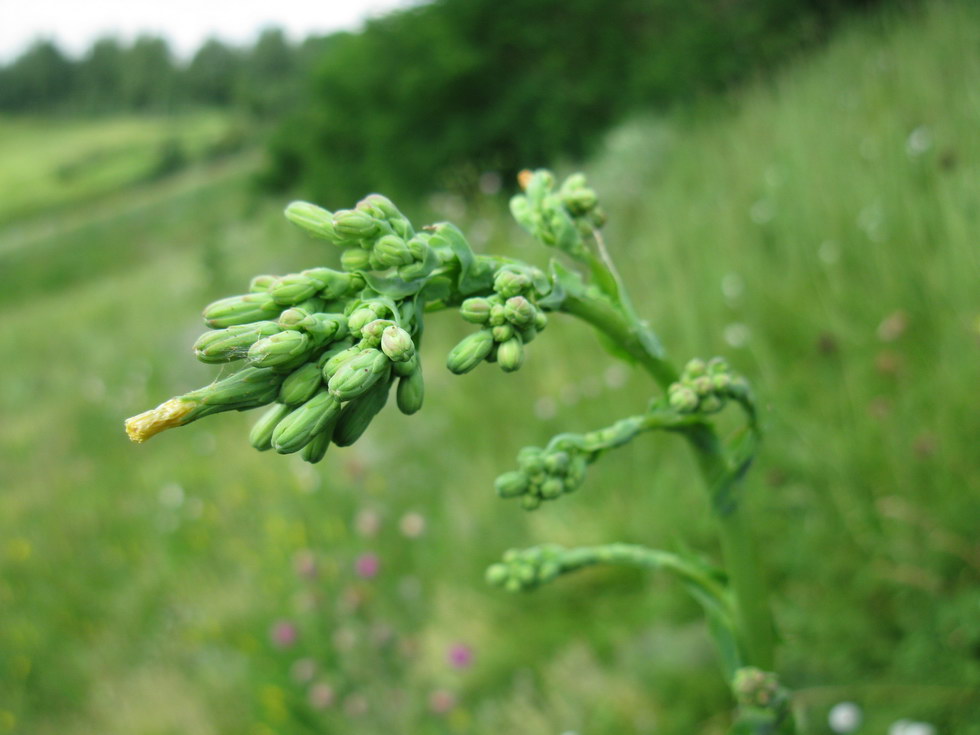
753 615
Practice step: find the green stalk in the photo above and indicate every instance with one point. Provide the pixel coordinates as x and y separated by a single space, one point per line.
752 613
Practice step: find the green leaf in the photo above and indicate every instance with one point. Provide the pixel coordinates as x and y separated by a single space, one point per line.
474 275
392 286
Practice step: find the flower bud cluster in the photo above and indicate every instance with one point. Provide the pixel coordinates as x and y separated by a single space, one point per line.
510 319
544 474
560 218
525 569
375 236
325 346
705 387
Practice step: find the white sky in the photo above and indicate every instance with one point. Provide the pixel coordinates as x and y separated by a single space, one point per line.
74 24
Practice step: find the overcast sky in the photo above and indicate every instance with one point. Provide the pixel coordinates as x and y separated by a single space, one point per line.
74 24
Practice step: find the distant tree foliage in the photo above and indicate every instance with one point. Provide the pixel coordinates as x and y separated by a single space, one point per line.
431 96
145 76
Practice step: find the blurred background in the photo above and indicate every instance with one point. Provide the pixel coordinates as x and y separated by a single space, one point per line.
791 184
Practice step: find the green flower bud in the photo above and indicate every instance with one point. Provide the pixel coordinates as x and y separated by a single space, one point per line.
355 225
232 343
248 388
476 310
391 251
510 354
236 310
470 352
315 220
502 333
358 374
372 331
682 398
317 447
260 436
552 488
293 318
556 463
531 460
540 320
530 502
519 311
293 288
295 430
357 414
711 404
702 385
510 282
312 305
497 574
406 368
498 315
418 247
261 284
528 334
335 349
355 259
695 368
397 344
410 392
331 284
279 349
717 366
300 385
359 319
325 327
338 360
412 271
721 382
511 484
580 201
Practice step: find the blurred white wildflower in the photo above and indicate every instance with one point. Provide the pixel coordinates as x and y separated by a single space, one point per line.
844 717
737 334
918 142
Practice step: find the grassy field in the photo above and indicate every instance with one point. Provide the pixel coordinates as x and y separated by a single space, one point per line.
819 228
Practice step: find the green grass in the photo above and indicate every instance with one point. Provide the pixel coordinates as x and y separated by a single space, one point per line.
50 163
832 211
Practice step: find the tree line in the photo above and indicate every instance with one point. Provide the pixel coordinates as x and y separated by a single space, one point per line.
145 76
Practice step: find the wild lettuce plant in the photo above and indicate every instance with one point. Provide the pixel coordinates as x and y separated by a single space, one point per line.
324 348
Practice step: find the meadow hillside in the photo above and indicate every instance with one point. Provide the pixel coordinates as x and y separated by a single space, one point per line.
819 228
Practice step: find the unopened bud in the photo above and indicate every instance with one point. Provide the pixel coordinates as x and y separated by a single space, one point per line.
551 488
338 359
511 484
293 318
475 310
510 354
355 259
331 284
296 429
359 319
498 316
353 224
325 327
236 310
279 349
410 272
260 436
502 333
470 352
510 283
358 374
315 220
519 311
357 414
391 252
261 284
300 385
317 447
410 393
293 288
682 398
232 343
695 368
372 331
397 344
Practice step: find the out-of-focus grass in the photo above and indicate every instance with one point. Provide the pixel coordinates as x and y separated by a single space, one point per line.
49 162
820 230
